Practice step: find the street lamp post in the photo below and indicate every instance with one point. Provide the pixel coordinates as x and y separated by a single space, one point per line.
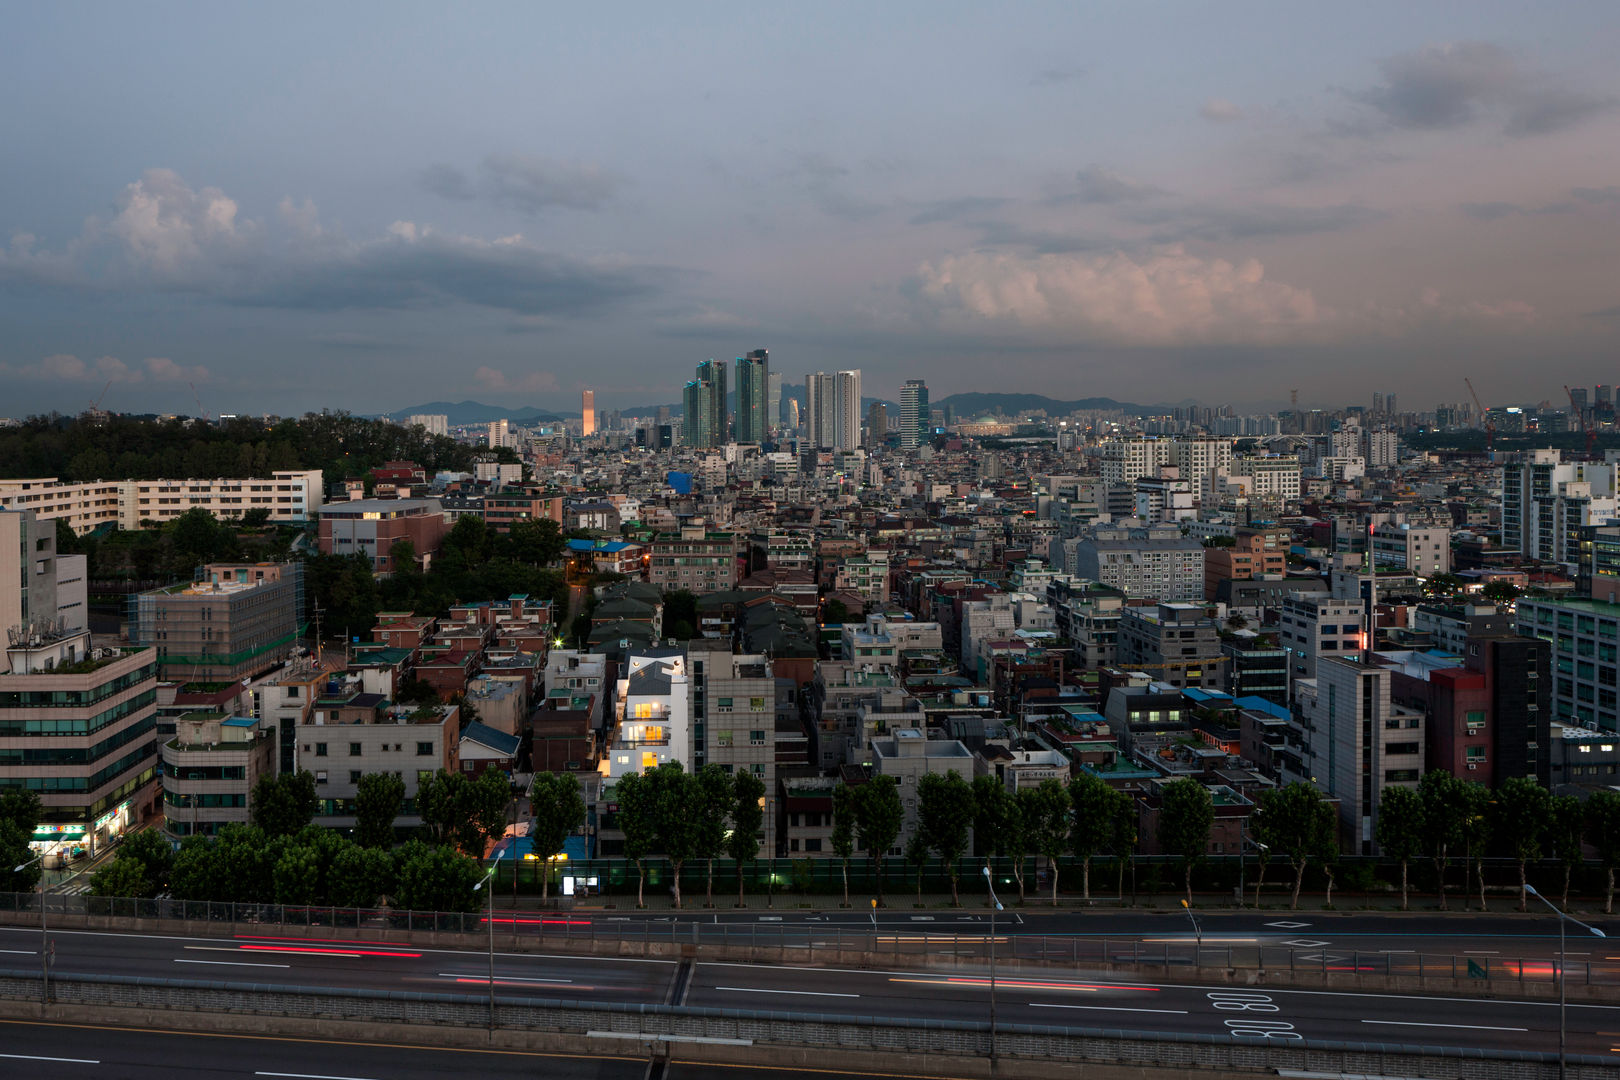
44 939
1198 935
490 873
1563 1063
995 906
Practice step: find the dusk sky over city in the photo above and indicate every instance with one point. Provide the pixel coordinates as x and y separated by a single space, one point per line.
370 206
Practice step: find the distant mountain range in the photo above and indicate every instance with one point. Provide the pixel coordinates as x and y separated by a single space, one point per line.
461 413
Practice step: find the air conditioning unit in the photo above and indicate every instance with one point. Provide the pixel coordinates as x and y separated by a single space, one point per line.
1472 766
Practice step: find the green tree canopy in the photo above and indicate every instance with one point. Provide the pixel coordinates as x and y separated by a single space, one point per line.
1049 818
282 805
1603 833
945 811
1096 806
747 820
556 811
1402 832
879 816
1520 811
1185 819
378 799
1298 824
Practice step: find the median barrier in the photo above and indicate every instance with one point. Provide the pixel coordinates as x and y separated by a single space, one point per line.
744 1037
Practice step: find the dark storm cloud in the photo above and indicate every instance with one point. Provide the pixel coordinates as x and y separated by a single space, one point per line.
1098 186
971 206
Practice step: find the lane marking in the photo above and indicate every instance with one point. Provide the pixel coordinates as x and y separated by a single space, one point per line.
1103 1008
1464 1027
232 963
801 993
643 1036
19 952
313 1076
37 1057
483 977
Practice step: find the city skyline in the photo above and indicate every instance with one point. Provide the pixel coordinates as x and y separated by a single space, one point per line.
1089 202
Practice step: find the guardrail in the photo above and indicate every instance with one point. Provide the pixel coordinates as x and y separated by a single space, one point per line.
928 942
762 1037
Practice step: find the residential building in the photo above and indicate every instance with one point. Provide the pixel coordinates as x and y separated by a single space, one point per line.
1358 743
908 755
1256 552
1582 636
28 572
432 423
1547 501
915 420
1451 625
821 411
292 496
239 620
503 508
1155 563
707 422
847 424
1421 551
372 527
753 397
587 413
1177 642
694 559
77 728
652 722
350 733
210 768
1313 626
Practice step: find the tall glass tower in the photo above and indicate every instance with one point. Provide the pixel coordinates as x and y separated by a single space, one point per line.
753 396
914 414
706 423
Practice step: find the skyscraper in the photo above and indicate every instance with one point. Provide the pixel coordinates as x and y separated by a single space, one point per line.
587 410
877 423
820 426
753 379
773 400
847 426
704 400
914 415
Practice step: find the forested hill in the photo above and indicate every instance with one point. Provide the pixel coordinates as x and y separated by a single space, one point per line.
135 448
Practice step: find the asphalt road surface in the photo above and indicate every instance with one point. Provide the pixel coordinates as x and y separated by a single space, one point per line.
1075 996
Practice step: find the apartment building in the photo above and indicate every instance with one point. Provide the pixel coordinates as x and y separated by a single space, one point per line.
1417 550
1155 563
908 755
652 722
371 527
1254 553
1582 637
1313 626
1546 502
1178 642
77 728
695 560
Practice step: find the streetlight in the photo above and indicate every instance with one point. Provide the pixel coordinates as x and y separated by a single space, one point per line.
1198 935
44 941
991 885
1563 1064
487 875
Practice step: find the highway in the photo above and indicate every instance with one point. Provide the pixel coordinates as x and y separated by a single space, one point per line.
1059 996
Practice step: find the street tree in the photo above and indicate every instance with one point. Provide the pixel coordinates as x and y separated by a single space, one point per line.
153 851
1477 829
297 876
1401 832
377 802
747 820
1603 833
843 830
556 810
465 811
711 810
360 876
1123 841
1185 818
1565 823
945 812
879 816
123 876
1048 816
282 805
437 879
1095 808
1519 815
635 818
1298 824
1445 805
676 803
917 858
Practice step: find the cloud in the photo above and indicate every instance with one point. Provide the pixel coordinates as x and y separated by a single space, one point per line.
171 237
497 381
1496 211
1058 76
64 367
970 206
1164 298
1213 223
1597 196
1220 111
167 228
525 183
823 178
1455 84
1095 184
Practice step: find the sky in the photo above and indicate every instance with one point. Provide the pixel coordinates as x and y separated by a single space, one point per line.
367 206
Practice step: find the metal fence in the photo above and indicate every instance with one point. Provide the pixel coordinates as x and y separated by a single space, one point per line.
882 944
923 1045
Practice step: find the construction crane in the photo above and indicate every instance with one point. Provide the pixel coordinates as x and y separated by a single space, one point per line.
1484 415
95 405
1586 429
198 399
